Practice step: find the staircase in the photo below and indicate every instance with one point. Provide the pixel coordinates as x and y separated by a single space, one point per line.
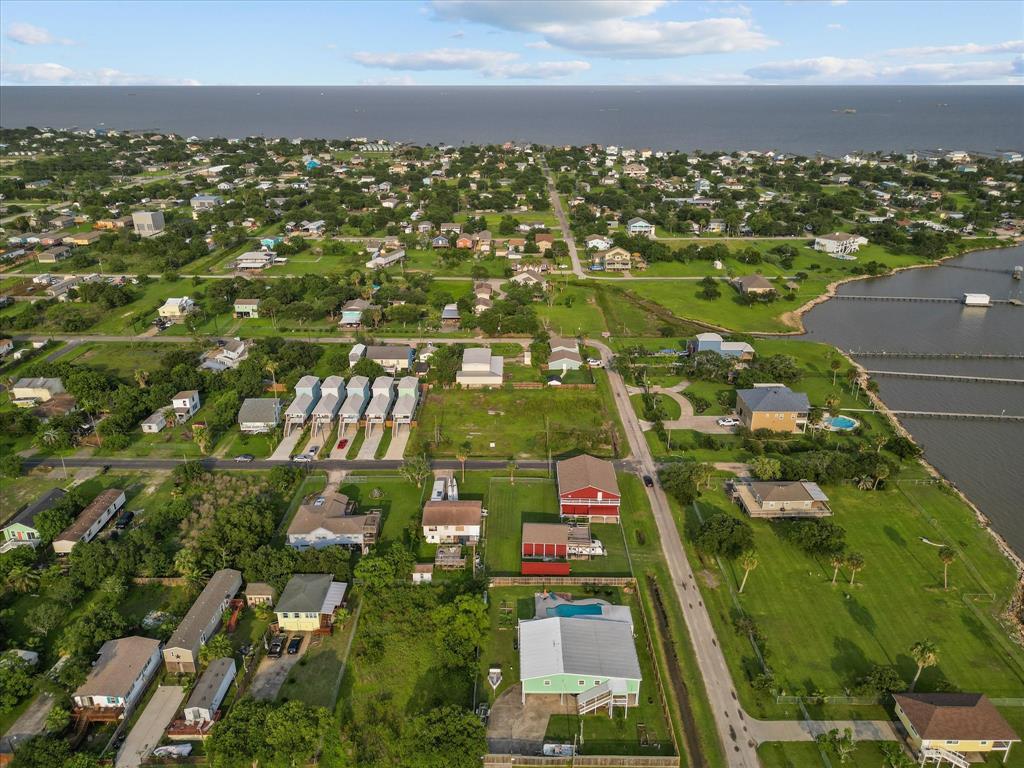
594 699
938 755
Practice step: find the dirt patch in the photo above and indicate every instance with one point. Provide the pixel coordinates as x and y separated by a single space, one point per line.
710 579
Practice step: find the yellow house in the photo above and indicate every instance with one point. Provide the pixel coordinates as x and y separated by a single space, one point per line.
947 727
774 407
308 603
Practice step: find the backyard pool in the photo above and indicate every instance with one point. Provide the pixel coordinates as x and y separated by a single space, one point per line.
575 609
841 423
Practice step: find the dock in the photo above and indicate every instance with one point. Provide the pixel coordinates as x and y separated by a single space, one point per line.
946 377
935 355
1008 417
926 299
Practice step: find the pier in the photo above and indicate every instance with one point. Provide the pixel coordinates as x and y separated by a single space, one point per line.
946 377
936 355
928 299
1010 417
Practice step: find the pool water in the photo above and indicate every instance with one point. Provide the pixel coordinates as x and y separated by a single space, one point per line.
568 609
842 422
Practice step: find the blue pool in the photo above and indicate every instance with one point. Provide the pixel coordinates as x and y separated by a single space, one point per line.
571 609
842 423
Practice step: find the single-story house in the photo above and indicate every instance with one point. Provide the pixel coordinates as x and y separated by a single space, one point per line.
392 358
565 355
308 603
753 285
90 520
176 308
329 519
155 422
247 308
21 530
588 488
53 255
28 392
259 593
781 499
181 653
452 522
774 407
209 691
118 678
259 415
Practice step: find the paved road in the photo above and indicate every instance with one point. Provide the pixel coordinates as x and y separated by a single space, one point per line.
563 223
135 464
32 722
82 338
149 728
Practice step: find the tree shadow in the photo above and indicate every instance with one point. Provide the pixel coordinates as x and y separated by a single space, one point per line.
849 663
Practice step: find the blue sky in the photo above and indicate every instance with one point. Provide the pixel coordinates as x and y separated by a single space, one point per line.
477 42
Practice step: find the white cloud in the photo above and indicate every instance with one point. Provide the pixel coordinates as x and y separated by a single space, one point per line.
966 49
834 27
50 73
606 28
497 64
830 69
29 34
395 80
540 45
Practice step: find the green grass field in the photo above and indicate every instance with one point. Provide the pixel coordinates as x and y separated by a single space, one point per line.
824 637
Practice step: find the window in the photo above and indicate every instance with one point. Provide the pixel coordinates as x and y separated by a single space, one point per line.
547 682
581 683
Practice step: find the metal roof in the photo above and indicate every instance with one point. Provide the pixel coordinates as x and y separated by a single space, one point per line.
577 646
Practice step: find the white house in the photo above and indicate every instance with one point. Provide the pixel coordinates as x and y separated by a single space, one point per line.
209 691
480 369
328 519
176 308
452 522
639 227
90 520
185 405
839 244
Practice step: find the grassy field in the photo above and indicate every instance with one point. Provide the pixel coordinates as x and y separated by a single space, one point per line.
121 359
316 678
399 500
824 637
670 408
505 423
805 754
574 311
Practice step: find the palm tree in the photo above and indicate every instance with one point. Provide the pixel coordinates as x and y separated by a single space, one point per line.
748 562
141 378
512 467
854 561
835 365
462 453
838 561
881 472
271 368
50 436
880 440
947 555
21 578
925 654
852 377
832 405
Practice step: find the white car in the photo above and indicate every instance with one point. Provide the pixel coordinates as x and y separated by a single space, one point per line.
301 459
595 362
728 421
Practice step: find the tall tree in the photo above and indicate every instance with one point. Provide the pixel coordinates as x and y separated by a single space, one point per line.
748 561
925 654
838 560
855 562
416 469
947 555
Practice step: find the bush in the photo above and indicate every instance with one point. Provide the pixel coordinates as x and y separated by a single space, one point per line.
10 465
725 535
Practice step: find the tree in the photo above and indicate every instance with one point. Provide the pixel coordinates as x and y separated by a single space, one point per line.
766 468
22 578
460 627
51 522
881 680
512 466
239 739
841 743
748 562
445 737
295 732
925 654
58 718
463 452
44 618
895 756
834 365
947 555
10 465
854 561
416 469
15 682
838 560
723 534
217 647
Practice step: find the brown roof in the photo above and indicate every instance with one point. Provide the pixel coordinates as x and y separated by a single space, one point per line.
781 491
754 283
90 515
584 471
321 510
452 513
546 533
119 665
955 716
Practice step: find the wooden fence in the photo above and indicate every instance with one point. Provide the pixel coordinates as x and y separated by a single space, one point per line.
562 581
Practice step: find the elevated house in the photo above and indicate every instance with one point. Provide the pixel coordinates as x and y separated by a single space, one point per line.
209 692
90 521
591 658
357 397
559 541
957 728
185 404
408 399
588 489
329 519
307 395
452 522
181 653
637 227
230 355
259 415
21 530
382 399
614 259
248 309
255 261
332 395
839 244
309 602
780 498
713 342
450 315
117 679
480 369
774 407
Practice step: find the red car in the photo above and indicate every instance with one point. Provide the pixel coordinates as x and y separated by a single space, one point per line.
342 443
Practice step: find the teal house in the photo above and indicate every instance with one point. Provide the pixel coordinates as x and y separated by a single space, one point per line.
20 530
591 658
271 242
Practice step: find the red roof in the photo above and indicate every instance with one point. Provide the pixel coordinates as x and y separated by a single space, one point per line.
537 568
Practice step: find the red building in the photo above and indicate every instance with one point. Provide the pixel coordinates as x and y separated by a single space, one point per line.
545 541
539 568
588 489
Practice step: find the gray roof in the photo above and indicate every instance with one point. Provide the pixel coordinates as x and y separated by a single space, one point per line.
27 516
262 410
209 683
389 352
222 586
774 399
119 665
577 646
304 593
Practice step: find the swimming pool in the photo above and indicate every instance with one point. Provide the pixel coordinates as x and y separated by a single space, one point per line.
575 609
842 423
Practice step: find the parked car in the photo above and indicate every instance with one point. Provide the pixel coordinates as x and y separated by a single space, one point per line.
277 646
595 362
728 421
301 459
313 450
648 481
244 458
342 443
124 520
294 644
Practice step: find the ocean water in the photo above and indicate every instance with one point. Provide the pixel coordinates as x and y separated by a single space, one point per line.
804 120
985 459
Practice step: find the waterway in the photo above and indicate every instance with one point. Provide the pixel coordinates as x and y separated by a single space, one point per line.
985 459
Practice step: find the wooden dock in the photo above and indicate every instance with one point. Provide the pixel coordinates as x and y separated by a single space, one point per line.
1009 417
946 377
935 355
927 299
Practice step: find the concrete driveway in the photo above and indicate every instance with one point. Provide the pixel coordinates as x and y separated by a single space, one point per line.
286 447
31 723
271 673
517 728
149 728
369 447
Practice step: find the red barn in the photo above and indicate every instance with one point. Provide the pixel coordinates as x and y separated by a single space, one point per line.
545 540
587 488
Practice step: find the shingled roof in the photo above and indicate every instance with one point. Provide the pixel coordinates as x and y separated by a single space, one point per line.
586 471
955 716
777 399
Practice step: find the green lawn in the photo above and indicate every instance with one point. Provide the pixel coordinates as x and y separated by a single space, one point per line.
805 754
121 359
824 637
316 678
574 311
670 409
400 501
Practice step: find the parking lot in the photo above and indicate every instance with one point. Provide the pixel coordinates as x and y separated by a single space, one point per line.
271 673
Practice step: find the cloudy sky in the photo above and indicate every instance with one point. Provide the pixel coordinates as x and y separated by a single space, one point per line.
478 42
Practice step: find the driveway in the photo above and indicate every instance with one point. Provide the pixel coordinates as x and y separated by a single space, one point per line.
271 673
286 447
343 433
370 443
149 728
517 728
31 723
396 450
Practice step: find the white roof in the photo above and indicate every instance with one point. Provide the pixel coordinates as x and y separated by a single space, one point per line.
577 646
